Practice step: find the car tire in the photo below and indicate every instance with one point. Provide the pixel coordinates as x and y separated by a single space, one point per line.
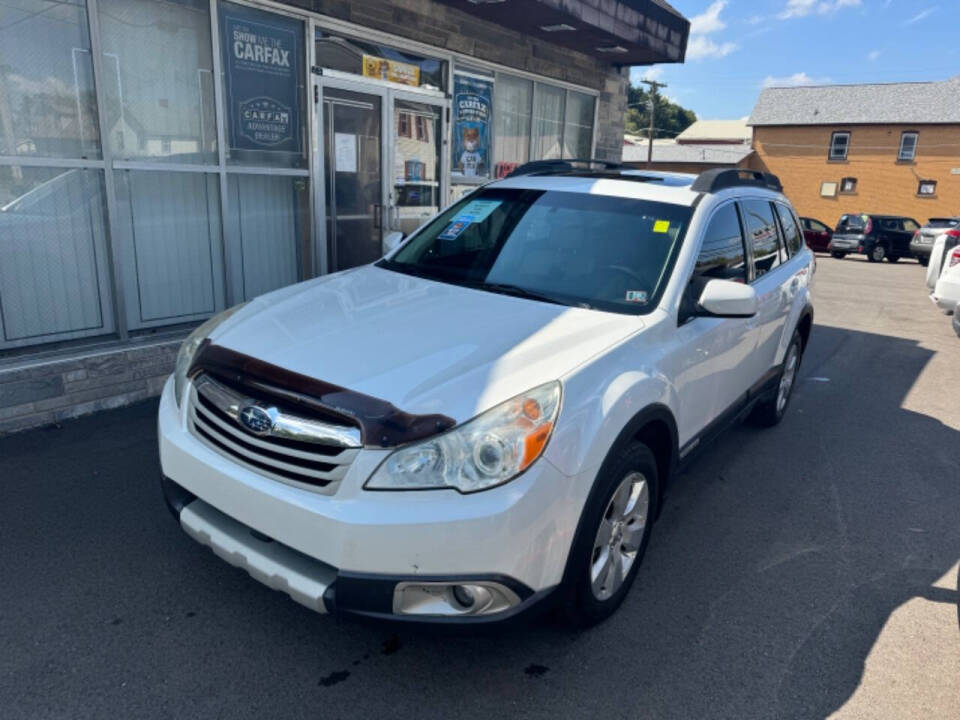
877 253
626 497
837 254
771 412
893 258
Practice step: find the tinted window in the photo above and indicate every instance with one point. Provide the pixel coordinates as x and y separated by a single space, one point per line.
817 226
722 254
762 235
791 233
851 224
601 251
942 223
889 224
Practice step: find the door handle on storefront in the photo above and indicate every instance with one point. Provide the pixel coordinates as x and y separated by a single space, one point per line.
377 216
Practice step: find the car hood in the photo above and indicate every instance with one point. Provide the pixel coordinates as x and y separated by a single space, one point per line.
424 346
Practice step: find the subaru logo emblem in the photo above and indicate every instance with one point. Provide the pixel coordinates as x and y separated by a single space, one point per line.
256 419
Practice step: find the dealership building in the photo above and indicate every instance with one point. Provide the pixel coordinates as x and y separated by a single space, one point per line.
162 160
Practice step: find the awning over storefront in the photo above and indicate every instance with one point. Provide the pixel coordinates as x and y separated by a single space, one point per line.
621 32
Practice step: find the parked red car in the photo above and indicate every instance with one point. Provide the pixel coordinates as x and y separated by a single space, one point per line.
816 234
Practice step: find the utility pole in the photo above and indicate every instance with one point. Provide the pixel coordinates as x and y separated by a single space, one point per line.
654 86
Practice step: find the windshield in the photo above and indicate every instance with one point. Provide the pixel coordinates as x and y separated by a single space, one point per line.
596 251
942 222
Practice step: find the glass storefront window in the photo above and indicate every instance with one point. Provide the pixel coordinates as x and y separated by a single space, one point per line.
547 122
170 231
514 98
372 60
158 80
53 272
47 100
269 219
416 172
578 128
264 83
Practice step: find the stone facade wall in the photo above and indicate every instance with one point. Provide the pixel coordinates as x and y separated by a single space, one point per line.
46 392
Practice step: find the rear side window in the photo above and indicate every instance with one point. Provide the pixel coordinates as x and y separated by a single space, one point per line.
762 235
722 254
909 225
791 232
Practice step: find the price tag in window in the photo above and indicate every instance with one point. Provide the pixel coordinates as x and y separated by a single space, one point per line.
661 226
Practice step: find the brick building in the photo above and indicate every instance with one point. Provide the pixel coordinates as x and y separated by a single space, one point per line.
886 148
161 160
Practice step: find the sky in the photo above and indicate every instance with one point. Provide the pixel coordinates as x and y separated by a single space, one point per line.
738 47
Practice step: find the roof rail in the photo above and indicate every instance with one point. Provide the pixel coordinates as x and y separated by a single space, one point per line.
562 166
711 181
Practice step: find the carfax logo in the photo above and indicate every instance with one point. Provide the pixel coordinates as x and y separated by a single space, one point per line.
265 121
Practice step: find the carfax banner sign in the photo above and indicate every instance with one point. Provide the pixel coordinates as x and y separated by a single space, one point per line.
472 113
261 55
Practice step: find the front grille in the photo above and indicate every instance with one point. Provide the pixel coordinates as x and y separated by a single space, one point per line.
297 450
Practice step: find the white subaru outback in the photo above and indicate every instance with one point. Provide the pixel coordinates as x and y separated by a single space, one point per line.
488 418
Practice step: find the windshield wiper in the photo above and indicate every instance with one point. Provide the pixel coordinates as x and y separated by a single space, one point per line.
516 291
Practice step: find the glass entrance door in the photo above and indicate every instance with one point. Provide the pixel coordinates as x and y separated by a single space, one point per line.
352 126
417 149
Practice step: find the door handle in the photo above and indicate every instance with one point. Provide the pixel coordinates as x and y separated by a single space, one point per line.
377 216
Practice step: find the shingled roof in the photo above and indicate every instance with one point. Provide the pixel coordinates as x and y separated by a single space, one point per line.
890 103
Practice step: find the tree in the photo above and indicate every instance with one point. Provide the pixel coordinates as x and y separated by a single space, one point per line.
670 119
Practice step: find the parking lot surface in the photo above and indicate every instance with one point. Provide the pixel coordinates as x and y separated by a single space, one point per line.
797 572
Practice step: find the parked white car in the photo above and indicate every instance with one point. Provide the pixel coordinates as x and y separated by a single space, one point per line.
486 421
943 272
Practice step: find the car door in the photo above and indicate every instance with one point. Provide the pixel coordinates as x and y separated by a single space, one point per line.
709 355
771 279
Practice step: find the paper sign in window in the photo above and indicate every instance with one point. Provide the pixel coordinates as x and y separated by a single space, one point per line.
345 145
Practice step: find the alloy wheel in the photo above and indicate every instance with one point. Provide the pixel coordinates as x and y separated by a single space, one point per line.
620 535
879 253
786 380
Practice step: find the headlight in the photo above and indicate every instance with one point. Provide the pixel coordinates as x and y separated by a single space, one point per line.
487 451
190 347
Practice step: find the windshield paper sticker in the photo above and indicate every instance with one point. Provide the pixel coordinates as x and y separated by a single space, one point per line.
454 229
476 211
637 296
661 226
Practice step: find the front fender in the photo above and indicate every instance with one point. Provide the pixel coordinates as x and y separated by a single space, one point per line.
596 410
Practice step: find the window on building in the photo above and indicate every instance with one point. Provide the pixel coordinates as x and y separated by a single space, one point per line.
511 123
158 84
403 125
927 188
548 121
578 126
839 145
908 146
828 189
381 62
762 235
792 236
848 185
423 128
722 253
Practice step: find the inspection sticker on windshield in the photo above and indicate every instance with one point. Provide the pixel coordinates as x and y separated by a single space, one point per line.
476 211
637 296
453 230
661 226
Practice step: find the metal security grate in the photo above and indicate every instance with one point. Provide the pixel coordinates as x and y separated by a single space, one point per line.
292 449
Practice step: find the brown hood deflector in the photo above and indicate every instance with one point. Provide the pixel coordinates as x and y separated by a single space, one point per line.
381 424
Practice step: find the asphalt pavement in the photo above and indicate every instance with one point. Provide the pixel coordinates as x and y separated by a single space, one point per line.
796 572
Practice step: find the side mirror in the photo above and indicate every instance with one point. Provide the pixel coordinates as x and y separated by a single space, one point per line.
391 242
725 298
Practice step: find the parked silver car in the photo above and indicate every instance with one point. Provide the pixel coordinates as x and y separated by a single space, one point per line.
922 243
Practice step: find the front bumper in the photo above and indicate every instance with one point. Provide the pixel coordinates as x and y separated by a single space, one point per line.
362 543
